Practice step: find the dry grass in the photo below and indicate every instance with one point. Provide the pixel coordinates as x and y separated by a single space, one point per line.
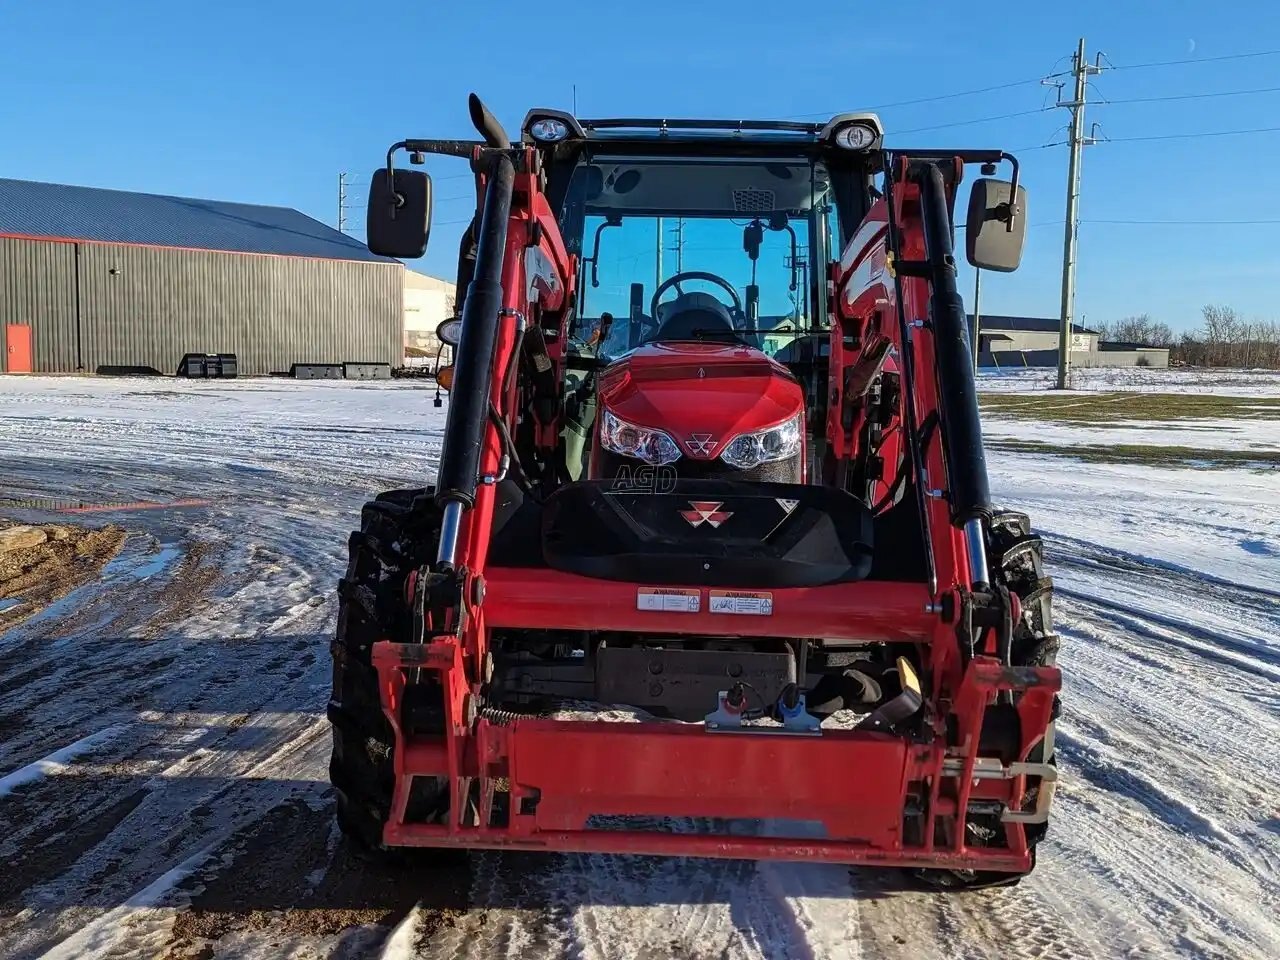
1113 409
1154 455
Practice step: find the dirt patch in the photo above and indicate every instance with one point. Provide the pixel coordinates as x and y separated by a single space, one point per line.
286 876
192 581
41 562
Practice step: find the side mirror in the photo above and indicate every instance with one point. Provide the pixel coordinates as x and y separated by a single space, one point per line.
990 242
399 218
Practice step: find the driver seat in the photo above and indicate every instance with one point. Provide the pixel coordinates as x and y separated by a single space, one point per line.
691 313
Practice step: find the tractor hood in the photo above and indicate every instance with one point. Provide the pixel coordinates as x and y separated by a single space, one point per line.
702 394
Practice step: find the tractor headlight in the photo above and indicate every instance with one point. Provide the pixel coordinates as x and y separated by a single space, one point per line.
855 136
752 449
548 130
643 443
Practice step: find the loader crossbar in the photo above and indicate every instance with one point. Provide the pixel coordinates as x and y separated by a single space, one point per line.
851 792
542 599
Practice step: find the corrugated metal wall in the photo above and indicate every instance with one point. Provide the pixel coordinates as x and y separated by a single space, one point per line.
271 312
147 306
38 286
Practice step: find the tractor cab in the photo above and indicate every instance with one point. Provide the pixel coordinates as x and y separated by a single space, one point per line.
702 300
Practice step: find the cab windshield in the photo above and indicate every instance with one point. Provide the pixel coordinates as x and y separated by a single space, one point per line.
721 251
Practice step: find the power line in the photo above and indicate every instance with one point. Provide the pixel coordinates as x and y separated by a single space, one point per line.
907 103
1174 63
1019 83
1192 136
965 123
1038 146
1192 96
460 196
453 176
1184 223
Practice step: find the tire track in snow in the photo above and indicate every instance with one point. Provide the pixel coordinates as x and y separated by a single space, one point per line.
195 804
598 907
1163 785
1126 870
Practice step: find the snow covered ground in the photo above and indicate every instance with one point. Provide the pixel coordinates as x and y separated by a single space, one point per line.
163 790
1239 383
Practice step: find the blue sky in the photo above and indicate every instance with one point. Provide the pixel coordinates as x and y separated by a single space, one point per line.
266 102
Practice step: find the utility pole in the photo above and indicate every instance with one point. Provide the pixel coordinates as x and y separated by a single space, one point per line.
678 230
660 240
342 203
800 300
976 337
1082 71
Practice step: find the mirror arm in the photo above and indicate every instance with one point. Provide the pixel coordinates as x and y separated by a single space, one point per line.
595 254
445 148
1013 192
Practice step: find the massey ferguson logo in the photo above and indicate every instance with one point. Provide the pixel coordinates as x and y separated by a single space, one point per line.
702 445
705 511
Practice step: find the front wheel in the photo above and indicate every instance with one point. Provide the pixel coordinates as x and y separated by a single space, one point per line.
399 531
1017 557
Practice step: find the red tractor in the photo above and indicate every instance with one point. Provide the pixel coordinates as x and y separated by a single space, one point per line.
712 453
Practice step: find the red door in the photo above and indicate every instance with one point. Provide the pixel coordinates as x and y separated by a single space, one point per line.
18 348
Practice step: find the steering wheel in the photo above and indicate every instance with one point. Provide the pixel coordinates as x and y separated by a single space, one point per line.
676 280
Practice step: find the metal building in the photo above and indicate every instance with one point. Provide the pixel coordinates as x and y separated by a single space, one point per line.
1033 342
99 280
998 333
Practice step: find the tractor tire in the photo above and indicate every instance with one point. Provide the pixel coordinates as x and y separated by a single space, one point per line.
1018 555
398 533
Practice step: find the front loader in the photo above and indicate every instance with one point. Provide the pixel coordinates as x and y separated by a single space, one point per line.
753 516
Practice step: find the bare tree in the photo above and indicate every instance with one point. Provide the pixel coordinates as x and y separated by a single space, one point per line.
1138 329
1228 340
1221 333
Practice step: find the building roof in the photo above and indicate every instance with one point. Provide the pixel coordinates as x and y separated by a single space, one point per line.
59 212
992 322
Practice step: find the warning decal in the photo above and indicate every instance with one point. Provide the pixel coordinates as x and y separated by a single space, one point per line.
668 599
742 601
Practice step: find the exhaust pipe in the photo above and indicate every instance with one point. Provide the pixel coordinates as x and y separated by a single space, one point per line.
487 124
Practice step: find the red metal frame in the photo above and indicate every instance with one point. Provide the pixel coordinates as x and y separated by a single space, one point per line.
863 789
562 773
543 599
